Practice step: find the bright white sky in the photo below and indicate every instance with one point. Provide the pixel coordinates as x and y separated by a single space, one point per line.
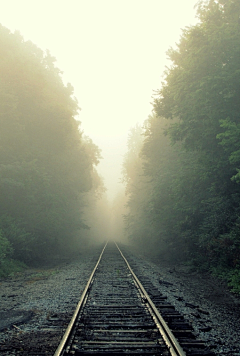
113 52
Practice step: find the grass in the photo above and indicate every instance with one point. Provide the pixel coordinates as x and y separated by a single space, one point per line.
9 268
13 268
41 275
231 276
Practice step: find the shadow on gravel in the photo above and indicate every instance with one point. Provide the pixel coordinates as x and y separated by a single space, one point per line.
14 317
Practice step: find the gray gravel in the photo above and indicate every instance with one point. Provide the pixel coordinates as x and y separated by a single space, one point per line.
39 294
205 302
34 295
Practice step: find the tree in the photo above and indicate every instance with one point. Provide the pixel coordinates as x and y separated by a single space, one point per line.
47 167
200 93
193 171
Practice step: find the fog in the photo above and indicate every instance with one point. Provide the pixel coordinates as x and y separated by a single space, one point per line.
113 53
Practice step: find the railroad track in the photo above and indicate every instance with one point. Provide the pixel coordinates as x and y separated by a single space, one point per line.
116 315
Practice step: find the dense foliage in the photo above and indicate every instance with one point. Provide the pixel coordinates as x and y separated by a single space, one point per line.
47 174
184 199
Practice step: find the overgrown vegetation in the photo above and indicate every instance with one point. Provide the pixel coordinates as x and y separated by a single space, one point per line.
47 167
182 170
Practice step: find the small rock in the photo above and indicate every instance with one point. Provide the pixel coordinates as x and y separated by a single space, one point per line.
196 315
203 311
190 305
165 283
206 329
180 299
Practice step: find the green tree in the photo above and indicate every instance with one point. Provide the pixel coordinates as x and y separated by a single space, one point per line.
46 166
200 93
190 155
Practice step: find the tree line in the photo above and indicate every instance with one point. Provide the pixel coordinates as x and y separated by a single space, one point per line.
182 168
48 177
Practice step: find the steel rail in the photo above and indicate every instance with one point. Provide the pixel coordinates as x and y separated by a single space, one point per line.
172 343
170 340
67 334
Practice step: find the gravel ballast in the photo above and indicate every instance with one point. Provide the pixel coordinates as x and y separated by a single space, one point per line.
204 301
32 301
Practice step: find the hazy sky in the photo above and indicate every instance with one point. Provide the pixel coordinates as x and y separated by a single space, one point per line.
113 52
